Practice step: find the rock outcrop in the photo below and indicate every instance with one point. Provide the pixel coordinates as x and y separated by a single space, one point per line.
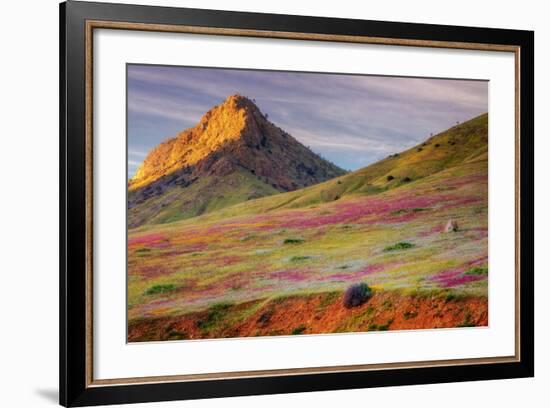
232 137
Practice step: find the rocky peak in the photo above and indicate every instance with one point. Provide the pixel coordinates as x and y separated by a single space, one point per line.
235 135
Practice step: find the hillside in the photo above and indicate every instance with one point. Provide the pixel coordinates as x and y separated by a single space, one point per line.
233 154
463 143
292 256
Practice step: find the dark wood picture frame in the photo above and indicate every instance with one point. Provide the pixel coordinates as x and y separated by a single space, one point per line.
77 22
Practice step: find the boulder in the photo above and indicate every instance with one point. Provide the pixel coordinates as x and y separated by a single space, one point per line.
452 226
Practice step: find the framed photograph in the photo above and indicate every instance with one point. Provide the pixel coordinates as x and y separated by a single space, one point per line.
256 204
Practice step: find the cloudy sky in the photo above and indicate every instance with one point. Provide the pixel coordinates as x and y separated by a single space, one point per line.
353 120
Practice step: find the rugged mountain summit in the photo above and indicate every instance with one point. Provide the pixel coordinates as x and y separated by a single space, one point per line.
233 154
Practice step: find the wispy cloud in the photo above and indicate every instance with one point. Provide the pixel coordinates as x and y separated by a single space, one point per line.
161 106
350 119
138 153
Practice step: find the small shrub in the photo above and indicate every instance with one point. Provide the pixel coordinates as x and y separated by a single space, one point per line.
177 335
390 178
143 250
220 307
450 297
419 149
399 246
467 322
216 313
372 327
156 289
436 145
293 241
409 314
300 258
298 330
407 180
478 270
356 295
265 317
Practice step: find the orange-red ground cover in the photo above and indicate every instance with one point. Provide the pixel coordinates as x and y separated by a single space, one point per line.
317 313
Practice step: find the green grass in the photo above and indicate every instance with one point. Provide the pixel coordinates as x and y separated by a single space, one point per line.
159 289
484 270
300 258
399 246
386 326
380 327
216 315
298 330
293 241
177 335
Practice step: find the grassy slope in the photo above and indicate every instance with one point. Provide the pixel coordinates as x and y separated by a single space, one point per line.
322 245
456 145
319 249
205 195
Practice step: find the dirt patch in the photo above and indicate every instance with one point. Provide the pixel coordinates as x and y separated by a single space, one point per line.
315 314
